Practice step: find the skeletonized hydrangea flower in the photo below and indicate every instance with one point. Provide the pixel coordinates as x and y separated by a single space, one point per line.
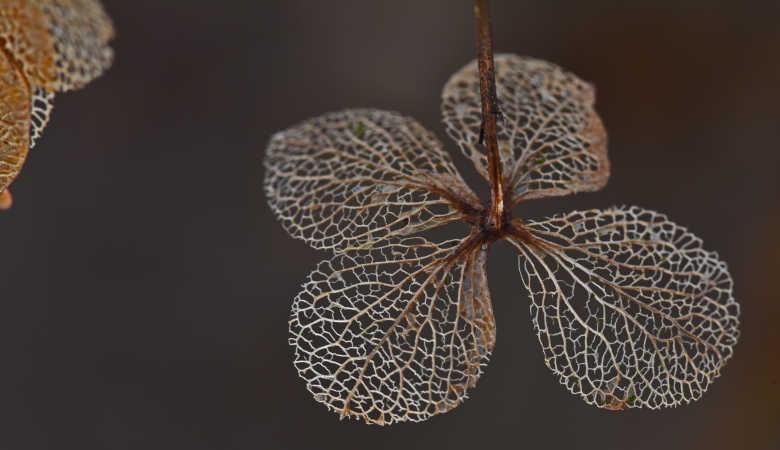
46 46
629 309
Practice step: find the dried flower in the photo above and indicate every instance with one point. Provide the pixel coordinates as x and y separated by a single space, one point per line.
629 309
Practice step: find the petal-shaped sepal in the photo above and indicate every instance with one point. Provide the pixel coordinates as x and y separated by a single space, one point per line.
48 45
550 138
628 307
15 124
348 179
81 30
396 333
26 37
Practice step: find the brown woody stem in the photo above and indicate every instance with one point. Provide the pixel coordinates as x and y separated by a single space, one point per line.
487 88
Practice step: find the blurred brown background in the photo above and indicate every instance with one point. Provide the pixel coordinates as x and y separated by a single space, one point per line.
145 286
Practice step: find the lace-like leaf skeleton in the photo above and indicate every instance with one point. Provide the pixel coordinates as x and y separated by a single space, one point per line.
629 309
47 46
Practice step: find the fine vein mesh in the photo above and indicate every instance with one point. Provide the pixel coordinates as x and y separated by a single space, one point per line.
349 178
24 33
81 30
41 104
628 307
551 140
47 46
395 333
15 127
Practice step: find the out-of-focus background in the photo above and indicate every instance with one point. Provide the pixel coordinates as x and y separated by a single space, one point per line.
145 286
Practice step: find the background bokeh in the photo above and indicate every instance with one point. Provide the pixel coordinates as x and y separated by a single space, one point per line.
145 285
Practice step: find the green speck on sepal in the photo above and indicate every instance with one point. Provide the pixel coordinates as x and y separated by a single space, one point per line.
359 129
